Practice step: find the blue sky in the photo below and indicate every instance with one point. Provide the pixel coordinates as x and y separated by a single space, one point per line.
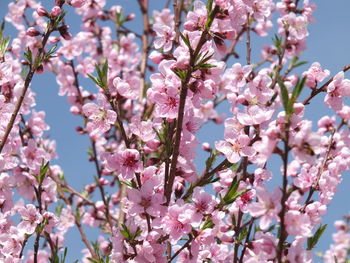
328 43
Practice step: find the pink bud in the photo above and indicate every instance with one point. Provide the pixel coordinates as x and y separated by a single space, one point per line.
130 17
33 32
42 11
103 181
56 10
77 3
40 69
64 32
156 57
206 147
90 188
53 40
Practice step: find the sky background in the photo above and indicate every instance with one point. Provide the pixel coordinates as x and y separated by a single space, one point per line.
328 43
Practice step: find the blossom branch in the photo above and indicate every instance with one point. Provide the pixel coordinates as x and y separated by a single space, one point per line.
33 67
183 95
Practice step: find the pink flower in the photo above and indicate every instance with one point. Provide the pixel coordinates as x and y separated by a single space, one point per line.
6 110
145 200
168 103
125 89
263 248
235 146
297 25
178 220
100 117
37 123
127 162
267 207
236 76
166 36
298 224
66 219
5 72
30 219
306 178
203 202
336 90
315 74
11 243
34 156
142 129
197 18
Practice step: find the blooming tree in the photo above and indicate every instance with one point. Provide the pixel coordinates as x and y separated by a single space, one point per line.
152 93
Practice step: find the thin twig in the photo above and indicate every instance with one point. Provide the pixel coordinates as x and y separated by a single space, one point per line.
145 49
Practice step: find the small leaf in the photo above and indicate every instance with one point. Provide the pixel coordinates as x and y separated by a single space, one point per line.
28 55
206 66
312 241
43 171
285 96
130 184
208 224
186 40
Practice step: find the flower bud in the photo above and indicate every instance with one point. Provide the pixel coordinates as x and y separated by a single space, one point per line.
56 10
206 147
77 3
130 17
39 69
42 11
156 57
33 32
64 32
53 40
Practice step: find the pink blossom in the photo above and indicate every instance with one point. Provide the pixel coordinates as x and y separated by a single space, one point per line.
336 90
145 200
166 36
5 72
37 123
267 207
235 146
33 155
203 202
315 75
127 162
30 219
101 118
298 224
177 222
125 89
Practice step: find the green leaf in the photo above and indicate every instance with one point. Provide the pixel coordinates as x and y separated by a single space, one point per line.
43 171
206 66
243 234
285 96
101 80
125 232
130 184
278 43
232 194
208 224
181 73
29 56
94 260
59 18
312 241
186 40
